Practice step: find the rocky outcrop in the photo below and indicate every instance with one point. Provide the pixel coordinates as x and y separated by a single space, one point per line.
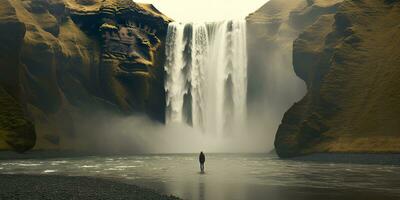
16 128
273 84
62 59
350 62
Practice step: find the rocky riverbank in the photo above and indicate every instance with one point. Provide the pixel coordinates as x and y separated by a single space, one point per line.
63 187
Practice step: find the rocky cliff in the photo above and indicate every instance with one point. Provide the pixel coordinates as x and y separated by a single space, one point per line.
349 58
273 84
62 59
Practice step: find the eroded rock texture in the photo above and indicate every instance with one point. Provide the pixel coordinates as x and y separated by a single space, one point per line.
273 84
62 59
16 128
350 62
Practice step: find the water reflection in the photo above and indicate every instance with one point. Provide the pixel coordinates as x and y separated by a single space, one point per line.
229 176
201 190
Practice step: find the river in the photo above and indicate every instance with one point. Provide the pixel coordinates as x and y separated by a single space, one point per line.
227 176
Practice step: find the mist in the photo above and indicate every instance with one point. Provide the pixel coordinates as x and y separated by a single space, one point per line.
273 89
273 86
107 132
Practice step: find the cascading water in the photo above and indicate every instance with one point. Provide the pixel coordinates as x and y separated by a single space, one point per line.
206 81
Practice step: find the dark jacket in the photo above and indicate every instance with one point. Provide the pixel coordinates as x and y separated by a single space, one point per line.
202 158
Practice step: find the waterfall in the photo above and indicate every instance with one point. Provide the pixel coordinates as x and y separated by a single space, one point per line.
206 75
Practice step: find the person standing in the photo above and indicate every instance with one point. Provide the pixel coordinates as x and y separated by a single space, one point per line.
202 160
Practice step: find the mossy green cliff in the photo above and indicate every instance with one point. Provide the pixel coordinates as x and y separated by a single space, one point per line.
348 54
62 59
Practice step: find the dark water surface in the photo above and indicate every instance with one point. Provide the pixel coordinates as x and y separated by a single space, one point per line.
228 176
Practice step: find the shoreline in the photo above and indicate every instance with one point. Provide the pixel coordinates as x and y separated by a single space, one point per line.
21 186
48 187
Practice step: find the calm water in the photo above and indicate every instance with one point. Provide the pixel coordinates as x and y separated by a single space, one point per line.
228 176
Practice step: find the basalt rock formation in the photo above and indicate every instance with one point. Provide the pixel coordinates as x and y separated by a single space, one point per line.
61 59
349 60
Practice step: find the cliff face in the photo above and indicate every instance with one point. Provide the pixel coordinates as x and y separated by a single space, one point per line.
273 84
62 59
16 129
350 62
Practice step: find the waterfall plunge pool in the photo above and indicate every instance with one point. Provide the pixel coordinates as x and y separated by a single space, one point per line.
228 176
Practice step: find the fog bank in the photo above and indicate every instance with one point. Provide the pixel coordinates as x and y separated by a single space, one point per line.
111 133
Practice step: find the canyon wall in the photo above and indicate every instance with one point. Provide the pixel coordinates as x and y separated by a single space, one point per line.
64 59
273 84
348 54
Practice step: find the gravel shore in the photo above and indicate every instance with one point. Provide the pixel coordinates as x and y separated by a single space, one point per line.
27 187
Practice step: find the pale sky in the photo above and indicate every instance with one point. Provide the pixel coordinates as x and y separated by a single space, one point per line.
206 10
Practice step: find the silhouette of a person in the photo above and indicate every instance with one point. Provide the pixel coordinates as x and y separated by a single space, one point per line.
202 160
